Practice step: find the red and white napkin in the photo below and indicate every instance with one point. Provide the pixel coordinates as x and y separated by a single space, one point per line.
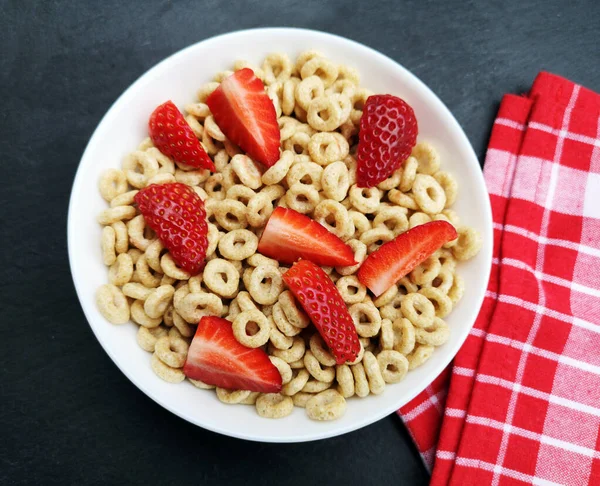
521 402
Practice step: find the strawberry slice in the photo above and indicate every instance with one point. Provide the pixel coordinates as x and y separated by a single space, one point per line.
246 115
172 135
176 213
217 358
290 235
323 303
396 258
388 133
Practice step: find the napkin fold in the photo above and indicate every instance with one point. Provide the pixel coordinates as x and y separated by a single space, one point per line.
520 404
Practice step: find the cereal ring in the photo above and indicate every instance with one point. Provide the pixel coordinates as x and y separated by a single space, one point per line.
284 369
307 90
393 218
213 236
230 178
288 96
440 301
147 338
306 173
214 187
359 98
277 68
205 90
247 171
201 384
342 86
324 114
299 379
294 314
345 105
387 297
197 110
327 405
250 399
366 200
238 245
417 219
300 399
171 352
144 273
386 337
335 181
326 374
428 157
351 163
241 193
327 147
452 216
221 277
125 199
366 318
297 143
418 309
278 339
373 372
333 216
468 244
261 207
192 177
404 336
168 315
140 235
198 130
457 290
241 64
287 127
449 185
297 365
112 184
114 214
326 70
258 259
139 167
171 269
265 284
408 173
231 215
348 73
443 281
393 366
292 354
320 351
279 170
401 199
349 130
360 253
274 405
345 380
157 302
421 353
437 335
282 322
351 290
232 397
392 181
361 385
136 291
375 237
112 304
316 386
161 178
183 328
107 243
195 306
391 310
247 322
165 372
428 194
304 57
425 272
302 198
121 271
139 315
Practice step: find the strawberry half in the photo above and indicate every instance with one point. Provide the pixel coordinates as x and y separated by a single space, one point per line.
289 236
172 135
176 213
396 258
323 303
388 133
217 358
246 115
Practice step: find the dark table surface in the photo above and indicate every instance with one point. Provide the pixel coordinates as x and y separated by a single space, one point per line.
68 415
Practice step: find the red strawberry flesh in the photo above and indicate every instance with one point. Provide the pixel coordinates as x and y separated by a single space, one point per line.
172 135
217 358
176 213
388 133
246 115
396 258
289 236
323 303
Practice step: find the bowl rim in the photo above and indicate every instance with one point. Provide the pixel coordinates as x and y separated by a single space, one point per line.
147 77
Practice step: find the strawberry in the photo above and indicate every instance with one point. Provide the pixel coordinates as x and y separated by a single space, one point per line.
388 133
217 358
323 303
396 258
172 135
176 213
290 235
246 115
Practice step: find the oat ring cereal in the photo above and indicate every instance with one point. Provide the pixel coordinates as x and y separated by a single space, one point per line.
318 105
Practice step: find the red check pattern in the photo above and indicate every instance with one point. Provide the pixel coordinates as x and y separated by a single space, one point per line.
521 402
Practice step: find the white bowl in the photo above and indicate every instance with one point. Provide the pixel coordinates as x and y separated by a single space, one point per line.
177 78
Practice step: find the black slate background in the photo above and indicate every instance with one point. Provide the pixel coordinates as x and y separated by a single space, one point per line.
67 415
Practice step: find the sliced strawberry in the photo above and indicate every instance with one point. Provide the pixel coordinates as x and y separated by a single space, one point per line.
172 135
217 358
388 133
290 236
396 258
323 303
176 213
246 115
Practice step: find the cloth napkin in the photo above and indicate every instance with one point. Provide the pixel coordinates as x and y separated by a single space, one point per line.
521 402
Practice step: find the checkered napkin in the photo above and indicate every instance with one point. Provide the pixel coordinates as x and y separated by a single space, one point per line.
521 402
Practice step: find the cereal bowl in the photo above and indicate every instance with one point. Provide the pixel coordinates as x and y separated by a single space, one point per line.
177 78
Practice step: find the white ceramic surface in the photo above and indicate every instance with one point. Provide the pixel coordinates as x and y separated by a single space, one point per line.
177 78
